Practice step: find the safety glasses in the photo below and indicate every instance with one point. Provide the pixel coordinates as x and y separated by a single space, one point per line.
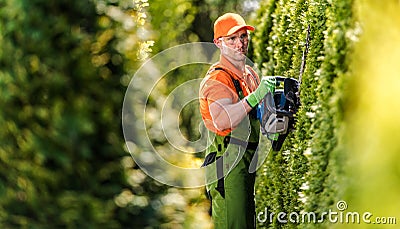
232 40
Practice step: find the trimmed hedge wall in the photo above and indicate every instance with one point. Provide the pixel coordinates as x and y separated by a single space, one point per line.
306 175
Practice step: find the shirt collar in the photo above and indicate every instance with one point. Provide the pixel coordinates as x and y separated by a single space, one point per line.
226 63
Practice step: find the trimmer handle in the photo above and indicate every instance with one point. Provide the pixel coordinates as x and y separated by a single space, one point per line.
280 78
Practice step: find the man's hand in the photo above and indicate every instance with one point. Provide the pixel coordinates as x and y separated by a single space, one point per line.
267 84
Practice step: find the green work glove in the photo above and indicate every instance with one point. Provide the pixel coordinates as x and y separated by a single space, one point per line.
267 84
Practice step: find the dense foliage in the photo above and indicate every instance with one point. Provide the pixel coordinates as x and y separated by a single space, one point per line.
311 173
304 175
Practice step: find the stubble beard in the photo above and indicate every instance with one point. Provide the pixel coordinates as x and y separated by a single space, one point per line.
235 55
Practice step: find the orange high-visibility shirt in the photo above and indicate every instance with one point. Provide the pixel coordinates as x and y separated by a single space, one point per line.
218 85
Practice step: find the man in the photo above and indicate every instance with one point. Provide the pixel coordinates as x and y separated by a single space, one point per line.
229 96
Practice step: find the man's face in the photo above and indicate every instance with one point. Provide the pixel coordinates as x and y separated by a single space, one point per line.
234 46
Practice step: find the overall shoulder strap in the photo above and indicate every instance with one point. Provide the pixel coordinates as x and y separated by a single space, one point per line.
239 91
236 83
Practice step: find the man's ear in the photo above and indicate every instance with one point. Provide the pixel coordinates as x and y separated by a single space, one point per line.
217 43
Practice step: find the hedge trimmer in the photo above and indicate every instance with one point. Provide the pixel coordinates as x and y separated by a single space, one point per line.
305 52
278 111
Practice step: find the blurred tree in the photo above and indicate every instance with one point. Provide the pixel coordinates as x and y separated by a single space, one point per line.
64 66
372 114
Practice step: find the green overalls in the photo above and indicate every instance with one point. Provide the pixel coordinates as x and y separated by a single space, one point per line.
228 160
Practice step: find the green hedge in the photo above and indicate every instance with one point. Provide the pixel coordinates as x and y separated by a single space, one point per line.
305 175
